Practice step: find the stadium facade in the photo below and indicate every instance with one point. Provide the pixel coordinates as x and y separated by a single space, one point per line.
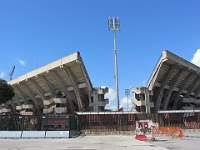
173 85
64 87
60 87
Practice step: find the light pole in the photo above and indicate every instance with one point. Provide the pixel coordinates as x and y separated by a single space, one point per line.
114 25
127 93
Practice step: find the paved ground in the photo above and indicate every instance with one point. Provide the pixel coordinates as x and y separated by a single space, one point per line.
107 142
170 143
191 140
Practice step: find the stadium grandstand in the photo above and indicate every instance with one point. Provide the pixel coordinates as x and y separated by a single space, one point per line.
60 87
173 85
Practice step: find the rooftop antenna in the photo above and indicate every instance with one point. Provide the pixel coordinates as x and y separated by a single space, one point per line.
114 25
11 73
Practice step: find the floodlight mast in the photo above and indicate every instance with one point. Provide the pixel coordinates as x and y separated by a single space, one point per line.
114 25
127 93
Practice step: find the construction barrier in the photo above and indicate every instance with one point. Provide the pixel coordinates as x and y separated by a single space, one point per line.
168 131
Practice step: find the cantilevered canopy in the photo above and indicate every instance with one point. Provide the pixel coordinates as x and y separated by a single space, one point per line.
67 76
172 80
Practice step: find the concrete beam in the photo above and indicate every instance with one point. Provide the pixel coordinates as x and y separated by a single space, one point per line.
19 91
75 87
33 98
171 88
197 92
86 77
48 85
64 89
150 83
38 88
191 100
164 82
193 85
157 84
182 88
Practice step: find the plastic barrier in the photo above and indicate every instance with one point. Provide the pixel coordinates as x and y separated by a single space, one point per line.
169 131
141 137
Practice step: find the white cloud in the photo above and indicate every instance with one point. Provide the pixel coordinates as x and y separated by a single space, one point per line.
124 103
111 95
112 107
22 62
196 58
2 75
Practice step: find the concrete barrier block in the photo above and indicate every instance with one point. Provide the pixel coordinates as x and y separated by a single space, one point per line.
57 134
33 134
10 134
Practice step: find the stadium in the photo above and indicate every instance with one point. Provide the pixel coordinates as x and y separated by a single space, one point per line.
60 87
173 85
59 97
64 87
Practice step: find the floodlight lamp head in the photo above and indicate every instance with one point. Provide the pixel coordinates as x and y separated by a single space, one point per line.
113 24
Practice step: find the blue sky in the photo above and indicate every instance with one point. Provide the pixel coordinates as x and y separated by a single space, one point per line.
36 32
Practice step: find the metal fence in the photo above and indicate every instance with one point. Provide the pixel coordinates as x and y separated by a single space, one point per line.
108 122
182 120
98 122
38 123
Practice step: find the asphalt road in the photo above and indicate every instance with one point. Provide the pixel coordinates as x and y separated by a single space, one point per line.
107 142
186 143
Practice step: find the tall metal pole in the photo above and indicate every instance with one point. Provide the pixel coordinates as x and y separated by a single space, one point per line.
127 93
114 25
116 71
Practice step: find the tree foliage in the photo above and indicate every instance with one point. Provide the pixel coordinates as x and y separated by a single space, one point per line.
6 91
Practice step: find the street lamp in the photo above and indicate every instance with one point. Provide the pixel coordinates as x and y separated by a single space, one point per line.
114 25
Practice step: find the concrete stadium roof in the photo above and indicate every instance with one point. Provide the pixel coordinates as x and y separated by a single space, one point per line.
67 74
172 79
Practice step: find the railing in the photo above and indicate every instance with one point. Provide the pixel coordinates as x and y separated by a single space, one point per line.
99 122
127 122
58 122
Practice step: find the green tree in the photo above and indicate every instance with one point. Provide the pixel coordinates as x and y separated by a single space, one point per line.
6 91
